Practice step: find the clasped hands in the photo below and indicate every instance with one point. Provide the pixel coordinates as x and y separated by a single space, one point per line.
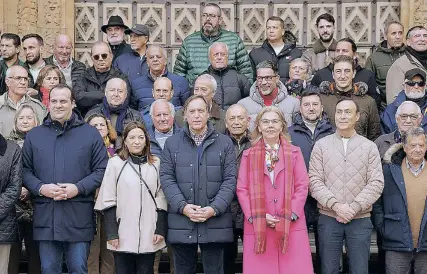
197 213
59 192
345 212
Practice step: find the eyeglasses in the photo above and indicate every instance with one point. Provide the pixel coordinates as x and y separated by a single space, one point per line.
405 117
266 78
103 55
267 122
212 16
413 83
19 78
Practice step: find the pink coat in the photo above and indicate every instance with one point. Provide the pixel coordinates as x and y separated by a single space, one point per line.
298 258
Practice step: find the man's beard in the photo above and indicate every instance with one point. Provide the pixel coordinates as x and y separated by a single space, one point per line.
213 30
315 120
35 60
328 39
414 95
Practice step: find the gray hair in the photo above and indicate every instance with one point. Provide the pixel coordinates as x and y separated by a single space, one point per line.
209 77
158 101
114 79
99 43
162 49
218 44
412 30
307 64
399 109
413 132
9 70
387 26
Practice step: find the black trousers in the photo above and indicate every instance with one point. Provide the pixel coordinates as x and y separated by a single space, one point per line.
185 258
230 252
130 263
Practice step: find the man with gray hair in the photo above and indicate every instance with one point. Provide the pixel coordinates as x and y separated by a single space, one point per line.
142 87
268 90
234 85
413 90
400 213
299 77
206 86
89 89
414 57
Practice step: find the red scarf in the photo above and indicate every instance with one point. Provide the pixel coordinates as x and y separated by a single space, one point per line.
45 96
257 195
268 99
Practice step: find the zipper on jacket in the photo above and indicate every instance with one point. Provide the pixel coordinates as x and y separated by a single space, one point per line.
140 209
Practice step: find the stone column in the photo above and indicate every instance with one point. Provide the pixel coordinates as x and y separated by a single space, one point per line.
413 12
48 18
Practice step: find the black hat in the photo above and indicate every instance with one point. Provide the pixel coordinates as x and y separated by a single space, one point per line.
413 72
114 21
139 29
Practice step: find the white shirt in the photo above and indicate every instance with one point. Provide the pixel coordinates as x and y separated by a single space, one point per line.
345 143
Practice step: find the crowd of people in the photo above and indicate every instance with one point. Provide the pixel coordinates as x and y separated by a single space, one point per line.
105 167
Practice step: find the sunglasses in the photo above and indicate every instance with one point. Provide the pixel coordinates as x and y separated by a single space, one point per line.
413 83
103 55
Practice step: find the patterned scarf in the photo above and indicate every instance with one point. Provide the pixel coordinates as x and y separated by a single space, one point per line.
271 156
257 163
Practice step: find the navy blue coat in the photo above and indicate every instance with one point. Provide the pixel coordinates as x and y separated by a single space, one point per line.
142 90
202 175
131 65
155 147
74 153
388 120
302 137
391 210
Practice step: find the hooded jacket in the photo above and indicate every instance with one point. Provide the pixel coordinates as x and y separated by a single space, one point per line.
369 121
319 57
232 86
396 74
362 75
192 58
391 211
254 103
380 62
288 53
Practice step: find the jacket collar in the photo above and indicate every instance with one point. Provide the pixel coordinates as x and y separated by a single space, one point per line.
323 124
211 130
164 74
319 48
210 38
3 145
282 94
383 47
75 120
243 141
151 131
211 70
215 112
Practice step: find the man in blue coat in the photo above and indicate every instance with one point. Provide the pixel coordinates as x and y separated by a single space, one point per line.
414 87
142 87
198 177
310 125
64 161
401 214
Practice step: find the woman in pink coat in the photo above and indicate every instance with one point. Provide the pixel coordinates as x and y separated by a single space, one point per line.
272 188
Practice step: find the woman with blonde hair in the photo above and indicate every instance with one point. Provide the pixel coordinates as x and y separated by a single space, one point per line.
133 204
272 188
49 77
107 131
25 120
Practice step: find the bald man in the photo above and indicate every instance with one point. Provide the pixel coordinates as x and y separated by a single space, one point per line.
61 58
142 87
89 88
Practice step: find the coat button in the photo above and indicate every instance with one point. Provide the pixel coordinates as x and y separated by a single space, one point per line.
189 237
191 188
275 200
191 164
200 235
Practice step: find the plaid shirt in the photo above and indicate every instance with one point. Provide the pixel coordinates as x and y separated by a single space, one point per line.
198 138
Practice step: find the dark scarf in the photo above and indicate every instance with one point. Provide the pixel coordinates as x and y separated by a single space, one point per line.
121 111
421 56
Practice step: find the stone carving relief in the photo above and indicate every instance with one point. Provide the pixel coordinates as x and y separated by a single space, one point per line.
185 19
52 23
252 23
386 12
356 22
86 23
314 11
27 16
420 15
154 17
228 14
83 55
292 14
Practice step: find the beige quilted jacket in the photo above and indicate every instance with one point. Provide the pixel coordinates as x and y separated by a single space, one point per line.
354 178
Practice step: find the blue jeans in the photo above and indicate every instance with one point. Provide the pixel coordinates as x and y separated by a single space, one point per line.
53 252
357 237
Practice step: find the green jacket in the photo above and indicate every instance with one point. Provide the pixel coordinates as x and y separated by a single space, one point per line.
380 62
192 58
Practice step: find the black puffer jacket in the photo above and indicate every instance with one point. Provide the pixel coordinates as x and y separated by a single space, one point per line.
202 175
283 59
231 86
120 49
89 91
10 188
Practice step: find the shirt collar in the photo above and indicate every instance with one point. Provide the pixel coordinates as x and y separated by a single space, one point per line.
415 171
59 66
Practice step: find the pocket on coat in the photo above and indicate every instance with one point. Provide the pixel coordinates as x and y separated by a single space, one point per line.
79 214
43 214
393 228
